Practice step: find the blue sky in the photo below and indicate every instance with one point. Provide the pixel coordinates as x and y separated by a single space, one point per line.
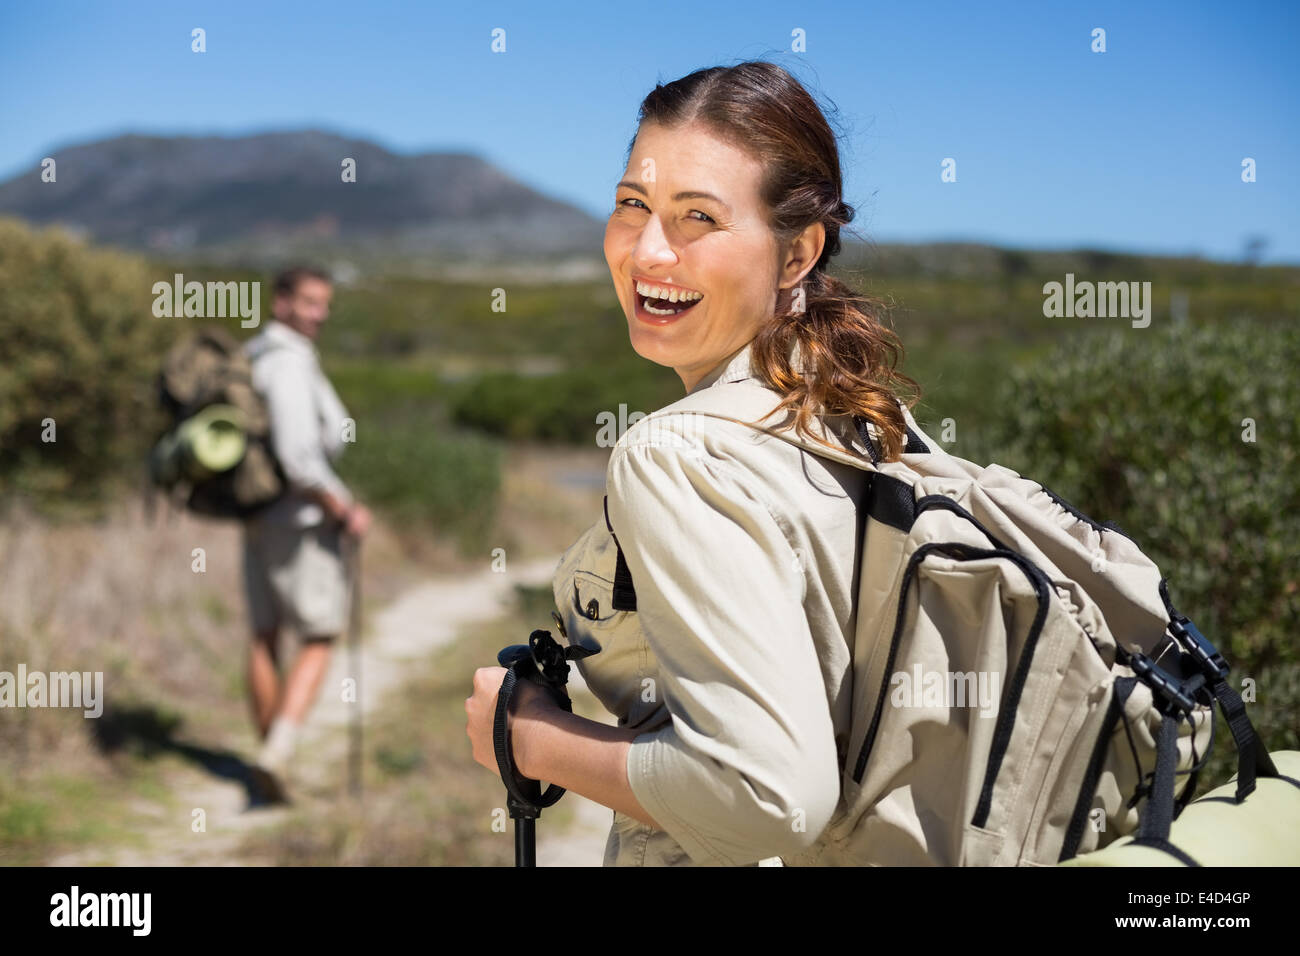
1138 148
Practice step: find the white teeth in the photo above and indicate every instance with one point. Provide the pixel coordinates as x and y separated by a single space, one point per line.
663 292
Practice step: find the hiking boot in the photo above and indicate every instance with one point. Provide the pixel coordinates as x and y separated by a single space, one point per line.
268 769
266 788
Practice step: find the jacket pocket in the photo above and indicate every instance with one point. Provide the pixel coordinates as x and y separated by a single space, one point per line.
592 599
617 676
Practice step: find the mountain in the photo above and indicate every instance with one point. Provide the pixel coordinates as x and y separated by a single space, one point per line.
277 196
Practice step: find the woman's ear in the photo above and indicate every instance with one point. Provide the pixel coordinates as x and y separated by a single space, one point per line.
801 254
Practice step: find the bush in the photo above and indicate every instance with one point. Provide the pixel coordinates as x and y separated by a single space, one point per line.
82 348
564 407
1153 429
422 474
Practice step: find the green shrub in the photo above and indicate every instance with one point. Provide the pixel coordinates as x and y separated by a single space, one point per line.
81 347
421 473
370 386
564 407
408 460
1151 429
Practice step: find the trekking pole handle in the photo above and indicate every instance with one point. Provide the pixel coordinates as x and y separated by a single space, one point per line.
544 662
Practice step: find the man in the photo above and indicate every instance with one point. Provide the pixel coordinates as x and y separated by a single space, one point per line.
294 570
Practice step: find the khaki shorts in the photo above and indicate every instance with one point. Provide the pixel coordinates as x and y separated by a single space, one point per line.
296 577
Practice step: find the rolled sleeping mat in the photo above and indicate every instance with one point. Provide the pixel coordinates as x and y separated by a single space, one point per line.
208 443
1216 830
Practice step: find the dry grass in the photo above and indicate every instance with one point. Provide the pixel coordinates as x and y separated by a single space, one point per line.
427 802
121 596
549 497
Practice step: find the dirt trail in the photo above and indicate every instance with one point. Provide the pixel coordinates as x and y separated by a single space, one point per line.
407 631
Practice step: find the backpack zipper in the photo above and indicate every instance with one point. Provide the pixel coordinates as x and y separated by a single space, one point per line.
1006 715
1088 789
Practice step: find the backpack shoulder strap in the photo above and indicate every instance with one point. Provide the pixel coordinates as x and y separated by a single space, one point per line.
747 402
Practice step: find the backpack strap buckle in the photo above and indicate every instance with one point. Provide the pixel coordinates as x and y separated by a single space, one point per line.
1171 698
1207 656
1211 662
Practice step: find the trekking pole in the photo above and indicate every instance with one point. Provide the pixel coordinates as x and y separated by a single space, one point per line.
352 545
544 662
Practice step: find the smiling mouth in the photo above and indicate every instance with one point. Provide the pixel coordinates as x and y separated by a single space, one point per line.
663 301
664 306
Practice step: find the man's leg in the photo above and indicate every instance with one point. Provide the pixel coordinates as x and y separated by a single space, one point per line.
305 678
264 679
320 601
263 671
316 590
300 690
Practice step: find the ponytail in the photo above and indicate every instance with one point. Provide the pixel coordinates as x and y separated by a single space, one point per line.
850 360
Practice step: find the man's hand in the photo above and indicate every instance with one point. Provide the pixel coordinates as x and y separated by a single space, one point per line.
358 520
355 517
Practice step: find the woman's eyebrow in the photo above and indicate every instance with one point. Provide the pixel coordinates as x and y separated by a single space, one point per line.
688 194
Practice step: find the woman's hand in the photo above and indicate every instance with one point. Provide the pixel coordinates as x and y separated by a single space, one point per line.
528 703
582 756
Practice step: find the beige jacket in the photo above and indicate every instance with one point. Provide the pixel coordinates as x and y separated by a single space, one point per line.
307 422
743 551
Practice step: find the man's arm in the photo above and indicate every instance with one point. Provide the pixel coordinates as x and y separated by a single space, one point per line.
295 439
336 507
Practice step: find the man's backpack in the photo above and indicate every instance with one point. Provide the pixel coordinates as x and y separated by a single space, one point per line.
216 455
975 579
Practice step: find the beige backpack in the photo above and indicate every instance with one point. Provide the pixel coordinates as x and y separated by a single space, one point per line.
216 454
1090 690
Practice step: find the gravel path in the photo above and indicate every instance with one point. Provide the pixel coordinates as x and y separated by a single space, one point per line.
406 632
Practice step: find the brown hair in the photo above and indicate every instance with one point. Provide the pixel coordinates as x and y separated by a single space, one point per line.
286 281
850 357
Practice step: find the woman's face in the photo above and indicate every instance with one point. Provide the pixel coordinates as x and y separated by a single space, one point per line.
668 235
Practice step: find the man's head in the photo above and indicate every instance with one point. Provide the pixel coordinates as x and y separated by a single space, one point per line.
302 299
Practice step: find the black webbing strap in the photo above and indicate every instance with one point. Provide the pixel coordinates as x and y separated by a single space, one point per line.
1252 758
624 592
915 443
865 435
1159 813
1166 847
1158 817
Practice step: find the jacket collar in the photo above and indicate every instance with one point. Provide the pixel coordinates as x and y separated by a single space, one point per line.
737 367
284 335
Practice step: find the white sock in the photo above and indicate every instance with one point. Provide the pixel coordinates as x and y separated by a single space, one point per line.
279 745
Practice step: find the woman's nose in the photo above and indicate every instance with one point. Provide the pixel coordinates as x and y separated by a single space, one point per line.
652 245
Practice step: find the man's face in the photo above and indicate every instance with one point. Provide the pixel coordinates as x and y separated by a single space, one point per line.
307 307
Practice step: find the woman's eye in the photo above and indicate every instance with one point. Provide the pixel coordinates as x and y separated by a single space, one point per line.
641 205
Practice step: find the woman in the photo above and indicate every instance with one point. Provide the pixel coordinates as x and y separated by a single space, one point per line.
729 671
